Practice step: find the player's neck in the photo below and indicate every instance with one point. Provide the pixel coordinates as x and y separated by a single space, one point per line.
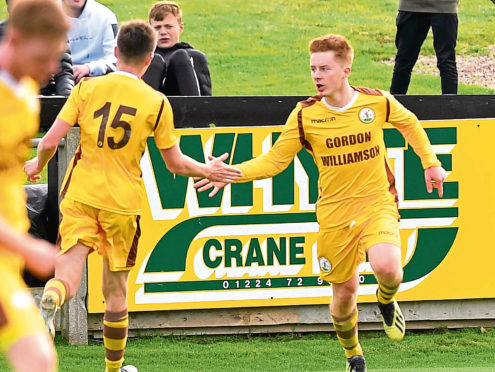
341 97
131 69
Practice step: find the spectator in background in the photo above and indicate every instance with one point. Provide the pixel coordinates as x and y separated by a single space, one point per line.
91 37
177 68
413 23
61 83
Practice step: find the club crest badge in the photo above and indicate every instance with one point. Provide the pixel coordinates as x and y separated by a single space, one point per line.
367 115
325 265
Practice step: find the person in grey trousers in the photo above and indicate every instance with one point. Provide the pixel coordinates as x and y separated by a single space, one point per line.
414 20
413 23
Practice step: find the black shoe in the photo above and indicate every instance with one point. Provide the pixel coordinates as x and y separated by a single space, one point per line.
355 364
393 320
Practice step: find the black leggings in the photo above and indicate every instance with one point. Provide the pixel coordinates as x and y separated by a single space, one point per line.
412 29
177 78
181 78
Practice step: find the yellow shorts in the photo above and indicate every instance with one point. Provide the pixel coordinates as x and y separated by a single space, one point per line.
340 251
114 236
19 315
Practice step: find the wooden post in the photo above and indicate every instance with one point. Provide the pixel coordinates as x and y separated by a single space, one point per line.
74 314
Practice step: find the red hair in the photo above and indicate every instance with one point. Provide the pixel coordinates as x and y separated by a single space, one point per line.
333 43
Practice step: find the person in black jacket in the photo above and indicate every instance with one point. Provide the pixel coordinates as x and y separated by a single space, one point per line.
177 68
62 82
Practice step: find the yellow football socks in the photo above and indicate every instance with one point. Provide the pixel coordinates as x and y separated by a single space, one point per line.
347 333
57 289
115 325
385 294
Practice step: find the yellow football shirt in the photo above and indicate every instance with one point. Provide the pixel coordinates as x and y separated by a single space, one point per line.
348 148
19 122
117 113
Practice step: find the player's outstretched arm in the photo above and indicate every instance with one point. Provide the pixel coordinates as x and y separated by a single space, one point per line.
434 177
38 254
46 149
203 184
216 170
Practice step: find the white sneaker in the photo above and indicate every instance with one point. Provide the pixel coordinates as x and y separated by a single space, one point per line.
48 308
128 369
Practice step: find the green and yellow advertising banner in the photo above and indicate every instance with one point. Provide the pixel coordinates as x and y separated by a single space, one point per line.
254 244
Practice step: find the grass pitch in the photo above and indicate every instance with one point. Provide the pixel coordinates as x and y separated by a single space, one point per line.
433 351
259 47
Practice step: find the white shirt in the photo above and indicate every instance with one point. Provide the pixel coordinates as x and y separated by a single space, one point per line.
92 38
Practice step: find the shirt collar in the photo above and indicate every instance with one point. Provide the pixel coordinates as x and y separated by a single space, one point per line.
344 108
12 83
125 73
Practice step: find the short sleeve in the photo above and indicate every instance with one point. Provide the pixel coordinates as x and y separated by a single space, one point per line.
164 128
70 110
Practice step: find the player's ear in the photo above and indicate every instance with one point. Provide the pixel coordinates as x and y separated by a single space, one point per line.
116 52
149 58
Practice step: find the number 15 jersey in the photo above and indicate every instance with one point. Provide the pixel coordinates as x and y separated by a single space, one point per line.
116 113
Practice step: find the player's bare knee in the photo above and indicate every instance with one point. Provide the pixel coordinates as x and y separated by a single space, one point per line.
114 293
115 296
42 359
344 298
388 272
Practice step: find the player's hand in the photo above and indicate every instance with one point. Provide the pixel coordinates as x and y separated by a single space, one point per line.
434 177
40 258
221 172
80 71
203 184
31 168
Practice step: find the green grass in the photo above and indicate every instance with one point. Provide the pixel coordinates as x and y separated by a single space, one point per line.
440 350
44 173
259 47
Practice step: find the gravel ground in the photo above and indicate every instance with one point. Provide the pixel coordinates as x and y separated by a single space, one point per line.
472 70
